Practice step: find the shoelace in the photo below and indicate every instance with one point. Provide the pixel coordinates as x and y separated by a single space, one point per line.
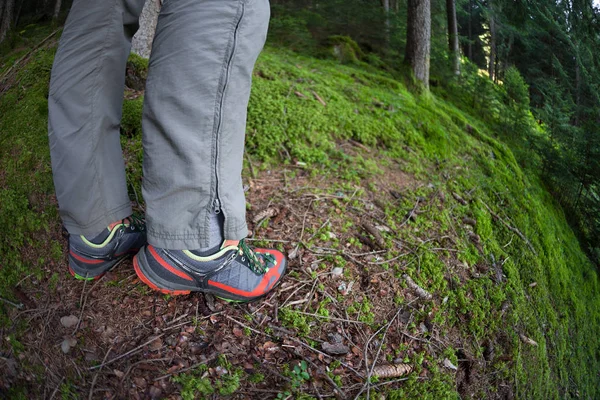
135 222
255 264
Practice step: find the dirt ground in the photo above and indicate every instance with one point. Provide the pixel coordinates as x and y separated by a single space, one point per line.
116 339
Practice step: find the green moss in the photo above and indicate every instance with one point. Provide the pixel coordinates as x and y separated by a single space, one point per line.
344 49
446 138
131 121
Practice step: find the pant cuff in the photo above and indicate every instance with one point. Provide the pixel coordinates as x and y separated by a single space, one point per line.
96 226
191 241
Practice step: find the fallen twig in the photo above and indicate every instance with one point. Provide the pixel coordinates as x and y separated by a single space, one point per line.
422 293
318 98
379 241
17 306
511 228
459 199
128 353
527 340
186 369
16 63
90 395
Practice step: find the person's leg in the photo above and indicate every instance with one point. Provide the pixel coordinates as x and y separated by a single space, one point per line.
84 113
197 92
84 105
194 124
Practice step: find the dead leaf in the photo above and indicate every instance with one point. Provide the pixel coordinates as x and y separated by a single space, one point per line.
140 382
118 374
69 321
448 364
270 347
237 332
155 345
293 254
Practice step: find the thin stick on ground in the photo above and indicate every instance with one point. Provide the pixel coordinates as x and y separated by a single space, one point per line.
294 340
511 228
82 302
186 369
385 329
90 395
18 306
128 353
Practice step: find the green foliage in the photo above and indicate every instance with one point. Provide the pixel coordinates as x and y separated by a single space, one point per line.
26 181
295 320
299 375
192 385
345 49
131 122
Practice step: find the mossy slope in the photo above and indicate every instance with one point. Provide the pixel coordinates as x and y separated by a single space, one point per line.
301 109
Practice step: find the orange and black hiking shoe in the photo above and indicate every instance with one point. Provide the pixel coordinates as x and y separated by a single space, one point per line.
91 258
235 272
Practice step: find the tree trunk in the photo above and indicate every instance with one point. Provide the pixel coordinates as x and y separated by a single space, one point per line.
386 9
142 41
7 18
470 31
1 10
453 35
56 9
492 61
418 39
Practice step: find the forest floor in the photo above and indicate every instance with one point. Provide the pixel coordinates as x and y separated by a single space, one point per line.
424 261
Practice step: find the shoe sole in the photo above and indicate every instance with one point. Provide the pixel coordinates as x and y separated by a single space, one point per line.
74 269
158 284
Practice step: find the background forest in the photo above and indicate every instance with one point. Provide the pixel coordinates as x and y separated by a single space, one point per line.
456 142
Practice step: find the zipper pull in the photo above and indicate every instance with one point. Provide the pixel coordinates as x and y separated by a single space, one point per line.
217 206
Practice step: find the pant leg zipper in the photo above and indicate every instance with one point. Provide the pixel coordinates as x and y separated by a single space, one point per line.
216 202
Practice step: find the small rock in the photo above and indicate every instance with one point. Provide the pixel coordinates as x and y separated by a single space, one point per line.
335 348
69 321
154 392
337 271
448 364
67 344
119 374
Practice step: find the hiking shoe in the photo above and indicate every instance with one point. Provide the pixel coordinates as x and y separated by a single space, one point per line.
235 272
90 259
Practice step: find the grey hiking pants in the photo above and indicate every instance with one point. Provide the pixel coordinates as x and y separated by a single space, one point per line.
194 117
